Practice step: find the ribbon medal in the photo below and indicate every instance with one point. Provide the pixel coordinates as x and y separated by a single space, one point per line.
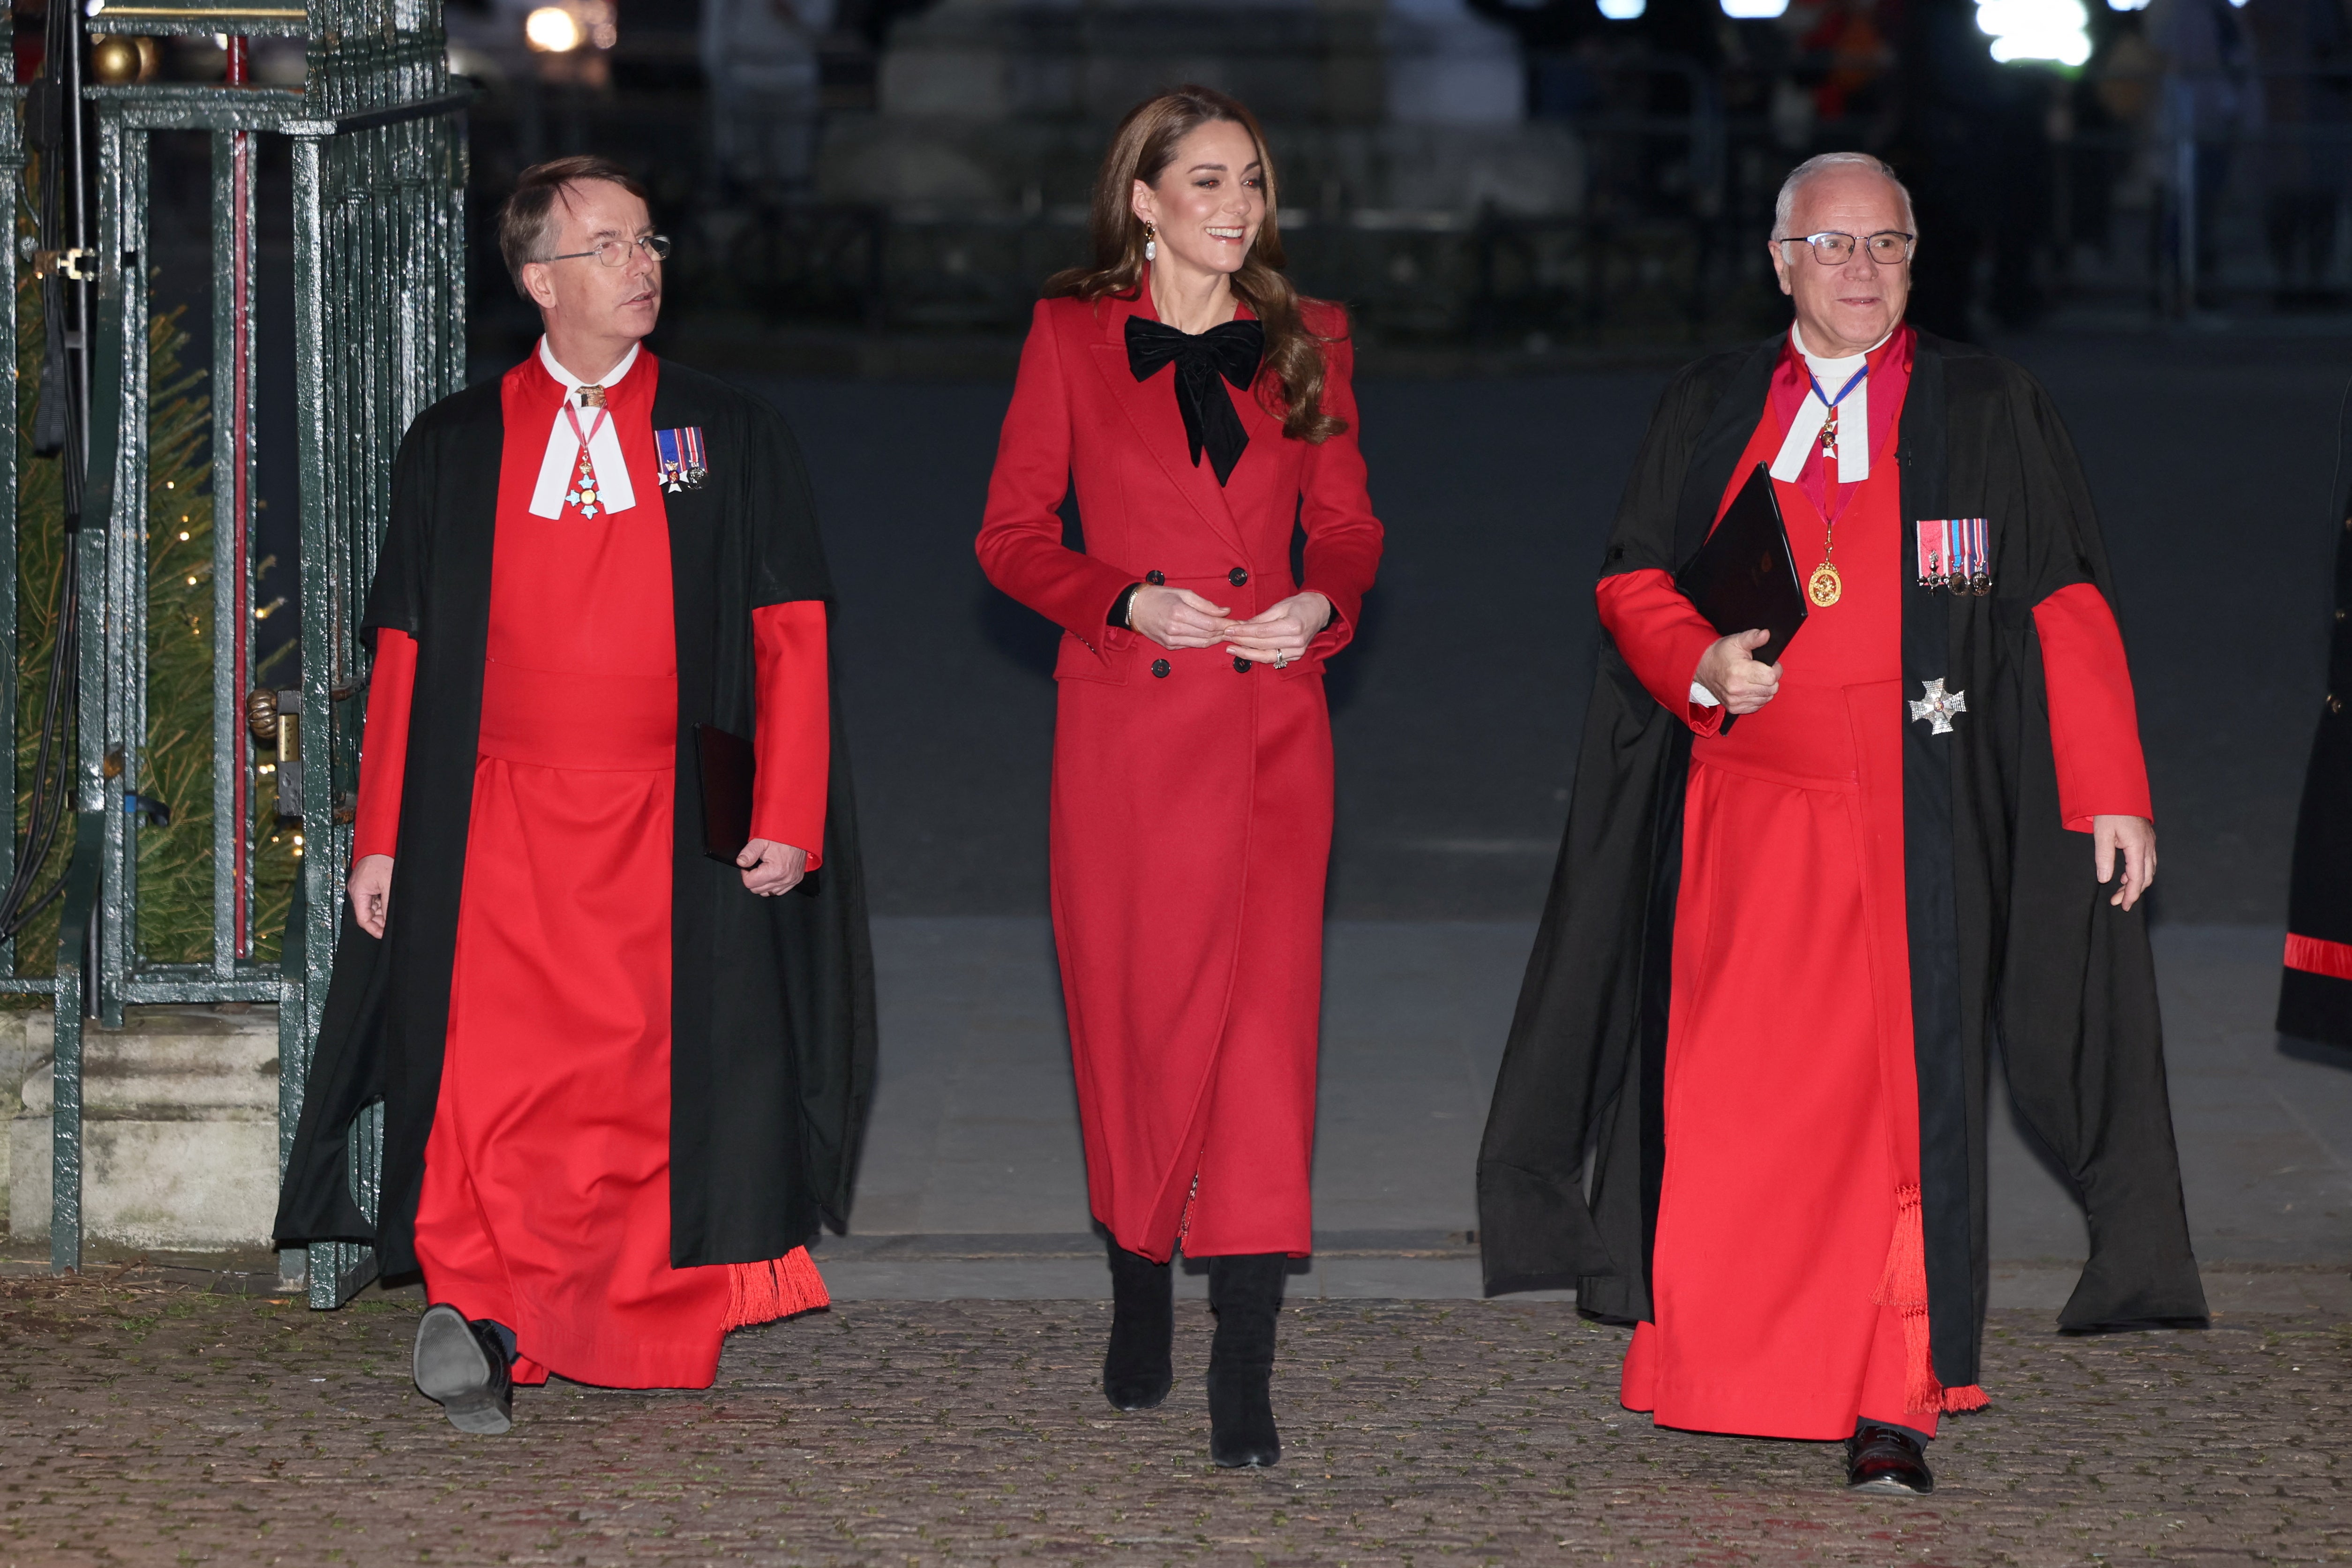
1956 554
681 456
583 497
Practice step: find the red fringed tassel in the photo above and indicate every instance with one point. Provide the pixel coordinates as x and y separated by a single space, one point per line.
1903 1287
1957 1400
780 1288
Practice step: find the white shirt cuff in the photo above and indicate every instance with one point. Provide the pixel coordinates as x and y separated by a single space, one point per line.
1701 697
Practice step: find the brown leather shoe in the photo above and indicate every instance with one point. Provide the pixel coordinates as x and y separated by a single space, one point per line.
1883 1459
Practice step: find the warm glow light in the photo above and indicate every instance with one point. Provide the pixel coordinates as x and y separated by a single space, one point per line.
2056 30
552 29
183 536
192 582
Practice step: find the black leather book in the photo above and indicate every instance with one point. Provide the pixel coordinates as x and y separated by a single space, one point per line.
1744 578
723 759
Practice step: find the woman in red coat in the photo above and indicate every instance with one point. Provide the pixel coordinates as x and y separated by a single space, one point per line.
1203 410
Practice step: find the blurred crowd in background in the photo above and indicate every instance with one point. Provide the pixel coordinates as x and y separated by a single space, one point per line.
1520 174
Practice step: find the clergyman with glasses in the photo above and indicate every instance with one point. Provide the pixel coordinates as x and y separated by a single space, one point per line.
1777 951
623 1077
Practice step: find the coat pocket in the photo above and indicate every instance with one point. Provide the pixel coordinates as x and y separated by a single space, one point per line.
1078 660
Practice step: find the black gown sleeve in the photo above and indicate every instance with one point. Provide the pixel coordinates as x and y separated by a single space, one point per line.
787 555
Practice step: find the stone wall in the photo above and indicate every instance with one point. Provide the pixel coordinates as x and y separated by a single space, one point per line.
180 1127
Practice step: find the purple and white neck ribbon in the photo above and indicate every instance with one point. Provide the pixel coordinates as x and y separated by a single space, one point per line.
1853 406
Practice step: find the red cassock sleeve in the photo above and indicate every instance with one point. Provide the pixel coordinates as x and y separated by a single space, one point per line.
384 745
1020 543
2094 720
1662 636
794 749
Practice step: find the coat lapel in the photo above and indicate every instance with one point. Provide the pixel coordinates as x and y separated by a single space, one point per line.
1150 408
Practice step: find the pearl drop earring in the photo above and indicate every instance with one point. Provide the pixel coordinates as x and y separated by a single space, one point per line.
1150 243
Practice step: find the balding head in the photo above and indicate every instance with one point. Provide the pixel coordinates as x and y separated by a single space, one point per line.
1784 206
1845 307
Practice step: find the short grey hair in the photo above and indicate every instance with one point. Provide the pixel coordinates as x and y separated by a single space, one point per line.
1823 163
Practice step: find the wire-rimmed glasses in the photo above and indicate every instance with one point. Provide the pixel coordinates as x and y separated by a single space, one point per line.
617 252
1887 247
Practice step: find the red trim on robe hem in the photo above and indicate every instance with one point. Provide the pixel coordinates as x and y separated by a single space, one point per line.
780 1287
2318 956
383 744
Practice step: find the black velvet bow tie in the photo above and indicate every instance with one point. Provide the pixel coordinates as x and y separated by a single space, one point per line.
1232 350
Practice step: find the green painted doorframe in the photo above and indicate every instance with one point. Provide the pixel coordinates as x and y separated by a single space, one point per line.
378 149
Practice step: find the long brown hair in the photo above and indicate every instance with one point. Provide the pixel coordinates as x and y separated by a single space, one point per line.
1290 382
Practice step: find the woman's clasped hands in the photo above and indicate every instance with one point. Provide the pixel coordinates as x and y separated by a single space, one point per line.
1180 617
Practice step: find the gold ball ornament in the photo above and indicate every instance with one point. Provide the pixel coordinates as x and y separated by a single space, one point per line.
114 60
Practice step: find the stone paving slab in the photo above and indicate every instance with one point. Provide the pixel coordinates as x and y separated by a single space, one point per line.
143 1422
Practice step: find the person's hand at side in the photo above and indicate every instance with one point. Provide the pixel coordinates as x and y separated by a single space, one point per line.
1176 617
370 886
1738 681
1280 632
770 869
2134 838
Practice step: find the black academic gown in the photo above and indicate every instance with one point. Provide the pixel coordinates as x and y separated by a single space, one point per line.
773 1018
2009 933
2316 992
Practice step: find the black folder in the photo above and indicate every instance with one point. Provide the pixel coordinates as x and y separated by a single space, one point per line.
723 759
1744 578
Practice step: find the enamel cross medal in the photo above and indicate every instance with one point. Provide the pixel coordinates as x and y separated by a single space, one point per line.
582 496
1939 707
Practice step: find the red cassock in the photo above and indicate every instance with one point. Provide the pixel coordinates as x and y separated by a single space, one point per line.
1789 1280
546 1200
1192 805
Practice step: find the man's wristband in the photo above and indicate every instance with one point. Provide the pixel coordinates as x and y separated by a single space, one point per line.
1122 609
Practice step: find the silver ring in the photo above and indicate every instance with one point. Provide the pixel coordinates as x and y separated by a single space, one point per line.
1281 661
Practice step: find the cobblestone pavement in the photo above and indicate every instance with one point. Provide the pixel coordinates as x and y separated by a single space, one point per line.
146 1422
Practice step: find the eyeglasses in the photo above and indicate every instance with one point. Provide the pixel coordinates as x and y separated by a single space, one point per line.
617 252
1888 248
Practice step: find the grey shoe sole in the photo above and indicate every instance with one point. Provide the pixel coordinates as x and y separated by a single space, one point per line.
452 1370
1887 1486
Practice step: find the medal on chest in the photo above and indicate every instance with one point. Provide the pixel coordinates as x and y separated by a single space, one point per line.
1825 587
582 496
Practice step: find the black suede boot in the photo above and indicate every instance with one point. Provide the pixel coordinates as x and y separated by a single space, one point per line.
1246 1292
1136 1369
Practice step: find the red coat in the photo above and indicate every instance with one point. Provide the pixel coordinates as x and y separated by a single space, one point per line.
1192 810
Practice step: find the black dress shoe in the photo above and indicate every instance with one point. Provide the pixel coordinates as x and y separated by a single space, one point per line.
1136 1369
461 1366
1884 1460
1246 1292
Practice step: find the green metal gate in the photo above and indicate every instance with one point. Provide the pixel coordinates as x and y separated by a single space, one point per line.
378 155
